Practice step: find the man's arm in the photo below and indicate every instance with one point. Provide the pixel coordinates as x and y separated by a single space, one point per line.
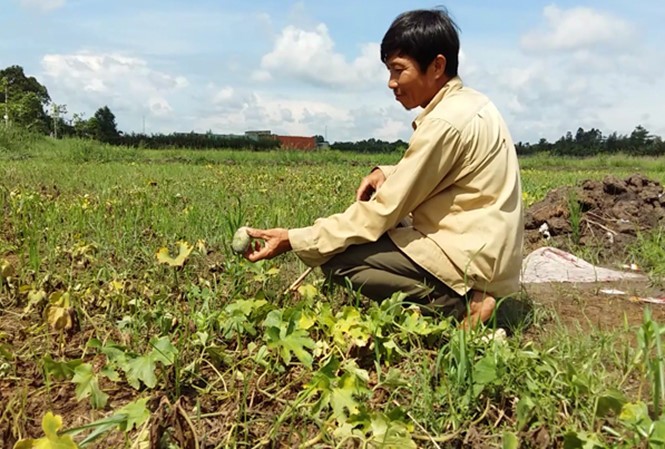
434 151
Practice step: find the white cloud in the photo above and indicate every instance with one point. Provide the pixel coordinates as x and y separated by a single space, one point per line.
42 5
88 81
574 80
310 56
578 29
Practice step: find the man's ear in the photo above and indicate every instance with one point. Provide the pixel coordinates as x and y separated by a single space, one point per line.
439 66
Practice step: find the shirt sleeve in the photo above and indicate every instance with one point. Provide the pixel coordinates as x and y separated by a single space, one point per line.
434 149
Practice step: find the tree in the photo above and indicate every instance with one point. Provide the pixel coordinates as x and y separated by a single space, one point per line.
104 126
24 99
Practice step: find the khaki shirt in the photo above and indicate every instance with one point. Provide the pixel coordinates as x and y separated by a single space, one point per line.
459 182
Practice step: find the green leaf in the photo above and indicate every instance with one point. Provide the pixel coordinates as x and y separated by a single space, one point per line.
297 342
341 398
635 414
60 370
657 437
350 329
100 427
51 424
87 384
510 441
137 413
525 407
581 440
484 372
308 292
610 402
163 351
288 338
110 374
141 369
389 433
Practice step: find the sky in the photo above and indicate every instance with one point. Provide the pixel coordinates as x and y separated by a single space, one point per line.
313 67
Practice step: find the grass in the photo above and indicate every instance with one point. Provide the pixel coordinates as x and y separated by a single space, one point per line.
206 348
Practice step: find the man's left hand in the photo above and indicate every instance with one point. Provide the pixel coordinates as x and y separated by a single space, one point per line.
275 242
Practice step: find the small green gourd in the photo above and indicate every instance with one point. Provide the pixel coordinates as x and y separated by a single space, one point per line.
241 240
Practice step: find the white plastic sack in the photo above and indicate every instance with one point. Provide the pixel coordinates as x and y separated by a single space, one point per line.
554 265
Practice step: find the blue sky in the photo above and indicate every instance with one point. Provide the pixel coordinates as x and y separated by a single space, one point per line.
312 67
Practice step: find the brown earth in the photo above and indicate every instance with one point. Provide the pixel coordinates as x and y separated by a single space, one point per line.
611 214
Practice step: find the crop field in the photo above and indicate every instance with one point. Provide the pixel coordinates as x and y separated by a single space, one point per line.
126 321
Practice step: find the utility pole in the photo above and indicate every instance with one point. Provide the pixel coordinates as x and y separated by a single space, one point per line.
6 103
55 121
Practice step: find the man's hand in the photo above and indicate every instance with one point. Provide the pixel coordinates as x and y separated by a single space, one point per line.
275 242
369 185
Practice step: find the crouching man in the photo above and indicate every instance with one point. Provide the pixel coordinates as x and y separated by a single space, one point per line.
457 187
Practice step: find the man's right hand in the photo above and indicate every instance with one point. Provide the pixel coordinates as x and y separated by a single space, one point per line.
369 185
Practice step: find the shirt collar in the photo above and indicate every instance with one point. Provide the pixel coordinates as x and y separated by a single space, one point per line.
455 83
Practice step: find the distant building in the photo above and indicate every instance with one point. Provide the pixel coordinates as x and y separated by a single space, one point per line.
259 134
286 142
297 143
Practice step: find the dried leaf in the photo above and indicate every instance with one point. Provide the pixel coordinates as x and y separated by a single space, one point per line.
184 250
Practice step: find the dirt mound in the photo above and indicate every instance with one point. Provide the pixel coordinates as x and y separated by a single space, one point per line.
606 215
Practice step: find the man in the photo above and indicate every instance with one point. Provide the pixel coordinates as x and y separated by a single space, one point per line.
444 225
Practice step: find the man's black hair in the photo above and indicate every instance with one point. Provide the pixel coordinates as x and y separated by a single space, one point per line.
422 35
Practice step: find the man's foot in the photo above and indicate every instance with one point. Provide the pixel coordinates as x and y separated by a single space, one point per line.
481 307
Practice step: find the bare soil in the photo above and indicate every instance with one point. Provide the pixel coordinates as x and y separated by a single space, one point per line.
611 214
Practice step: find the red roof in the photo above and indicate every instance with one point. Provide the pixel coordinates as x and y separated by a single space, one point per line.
297 142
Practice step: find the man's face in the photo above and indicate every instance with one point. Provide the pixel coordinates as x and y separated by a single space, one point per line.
411 86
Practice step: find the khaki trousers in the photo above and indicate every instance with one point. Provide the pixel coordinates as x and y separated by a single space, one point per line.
380 269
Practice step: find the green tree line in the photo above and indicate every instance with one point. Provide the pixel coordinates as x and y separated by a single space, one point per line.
25 103
592 142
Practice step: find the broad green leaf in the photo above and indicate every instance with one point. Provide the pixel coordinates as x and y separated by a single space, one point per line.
525 407
184 250
307 319
87 384
60 370
635 414
415 323
35 297
350 329
110 374
245 306
234 319
657 437
610 402
484 372
141 369
297 342
163 351
137 413
581 440
308 292
341 398
510 441
115 354
51 424
393 434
